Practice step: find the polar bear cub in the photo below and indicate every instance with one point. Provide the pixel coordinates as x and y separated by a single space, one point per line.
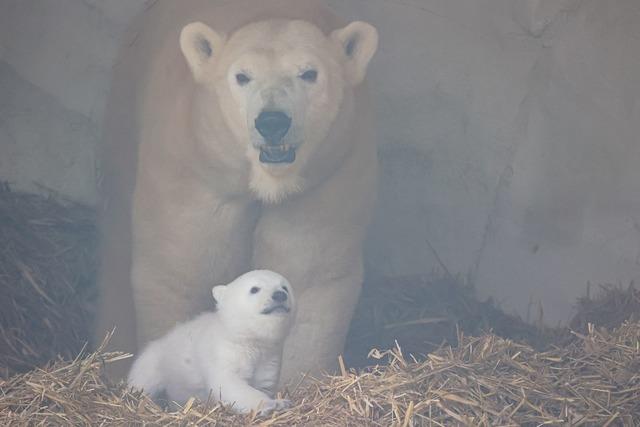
232 355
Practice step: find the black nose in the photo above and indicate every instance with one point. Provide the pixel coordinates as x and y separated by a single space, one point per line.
273 125
279 296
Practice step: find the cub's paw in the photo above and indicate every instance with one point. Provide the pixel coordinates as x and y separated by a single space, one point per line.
273 405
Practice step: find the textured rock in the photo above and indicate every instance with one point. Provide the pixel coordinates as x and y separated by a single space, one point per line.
508 133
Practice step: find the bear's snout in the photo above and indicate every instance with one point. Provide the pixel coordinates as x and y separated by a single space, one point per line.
278 305
279 296
273 126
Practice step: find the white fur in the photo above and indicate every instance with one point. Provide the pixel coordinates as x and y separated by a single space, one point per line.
189 201
232 355
274 65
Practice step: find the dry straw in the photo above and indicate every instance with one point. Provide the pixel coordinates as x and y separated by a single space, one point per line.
47 267
586 378
485 381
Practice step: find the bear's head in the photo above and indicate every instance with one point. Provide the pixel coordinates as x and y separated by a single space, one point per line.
284 90
259 305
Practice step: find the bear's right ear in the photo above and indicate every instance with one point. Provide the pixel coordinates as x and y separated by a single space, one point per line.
199 44
218 292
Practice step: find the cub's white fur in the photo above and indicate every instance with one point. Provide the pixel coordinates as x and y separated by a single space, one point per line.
232 354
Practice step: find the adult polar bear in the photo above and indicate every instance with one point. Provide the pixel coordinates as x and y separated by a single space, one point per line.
238 137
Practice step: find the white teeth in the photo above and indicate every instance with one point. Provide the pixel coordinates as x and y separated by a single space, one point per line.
283 147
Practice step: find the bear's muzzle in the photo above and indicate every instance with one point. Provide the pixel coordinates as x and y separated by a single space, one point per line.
273 126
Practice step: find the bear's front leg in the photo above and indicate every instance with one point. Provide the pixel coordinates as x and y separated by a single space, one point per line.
324 266
181 248
319 334
230 389
267 374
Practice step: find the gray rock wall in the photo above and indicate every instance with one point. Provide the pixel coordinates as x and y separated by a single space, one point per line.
508 132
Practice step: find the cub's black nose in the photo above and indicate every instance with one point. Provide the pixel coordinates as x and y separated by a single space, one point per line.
273 126
279 296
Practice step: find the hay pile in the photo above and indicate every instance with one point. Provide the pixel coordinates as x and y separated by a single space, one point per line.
610 306
539 376
421 315
47 271
485 381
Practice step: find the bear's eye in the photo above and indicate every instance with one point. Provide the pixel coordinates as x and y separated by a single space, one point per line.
254 290
309 76
242 79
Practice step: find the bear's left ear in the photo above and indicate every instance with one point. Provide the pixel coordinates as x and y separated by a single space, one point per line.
218 292
359 41
200 45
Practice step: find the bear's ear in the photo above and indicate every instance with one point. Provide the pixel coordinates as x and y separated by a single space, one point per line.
218 292
359 41
199 45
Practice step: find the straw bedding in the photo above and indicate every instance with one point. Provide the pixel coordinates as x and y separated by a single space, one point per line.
510 373
47 270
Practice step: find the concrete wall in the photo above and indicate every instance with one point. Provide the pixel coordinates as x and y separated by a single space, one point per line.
508 132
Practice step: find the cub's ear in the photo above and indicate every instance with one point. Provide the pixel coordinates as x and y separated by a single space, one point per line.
358 41
218 292
199 45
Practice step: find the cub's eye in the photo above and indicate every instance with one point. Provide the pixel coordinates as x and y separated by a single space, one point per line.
254 290
309 76
242 79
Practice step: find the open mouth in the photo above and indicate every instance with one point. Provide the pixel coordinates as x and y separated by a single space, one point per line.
277 154
279 308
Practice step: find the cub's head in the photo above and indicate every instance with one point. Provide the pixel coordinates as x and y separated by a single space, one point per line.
280 86
257 305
